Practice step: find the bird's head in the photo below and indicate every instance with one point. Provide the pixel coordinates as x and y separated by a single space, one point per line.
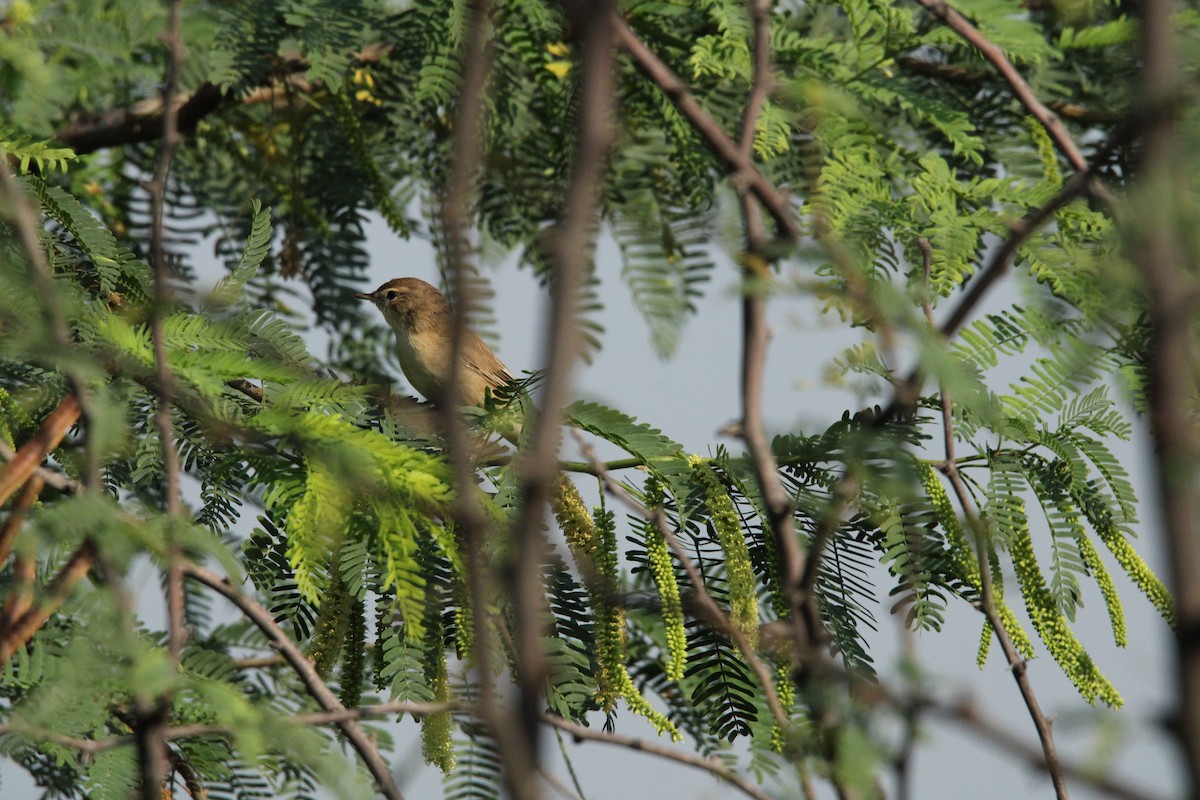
405 302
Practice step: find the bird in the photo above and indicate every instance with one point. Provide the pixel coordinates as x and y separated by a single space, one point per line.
424 326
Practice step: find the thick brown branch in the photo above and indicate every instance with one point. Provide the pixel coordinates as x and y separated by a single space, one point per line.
517 749
140 122
1161 241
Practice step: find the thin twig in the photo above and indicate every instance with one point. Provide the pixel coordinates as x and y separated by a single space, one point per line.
987 594
966 715
24 570
317 688
469 517
740 167
755 336
1025 95
157 189
154 714
714 766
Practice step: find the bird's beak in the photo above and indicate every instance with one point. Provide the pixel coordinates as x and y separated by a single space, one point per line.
362 296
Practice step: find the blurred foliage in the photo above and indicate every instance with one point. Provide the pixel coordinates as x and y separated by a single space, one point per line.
883 126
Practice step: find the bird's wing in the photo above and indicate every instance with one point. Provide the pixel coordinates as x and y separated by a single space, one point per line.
495 373
483 362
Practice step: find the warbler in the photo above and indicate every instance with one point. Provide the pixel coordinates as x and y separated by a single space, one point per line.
424 326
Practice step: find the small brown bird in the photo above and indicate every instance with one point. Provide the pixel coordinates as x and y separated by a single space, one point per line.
424 327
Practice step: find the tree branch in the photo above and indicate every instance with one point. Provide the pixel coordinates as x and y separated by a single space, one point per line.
163 295
141 122
1025 95
517 750
1161 242
713 766
987 595
741 168
22 464
14 637
317 688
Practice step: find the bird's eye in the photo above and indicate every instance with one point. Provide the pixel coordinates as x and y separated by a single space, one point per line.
391 294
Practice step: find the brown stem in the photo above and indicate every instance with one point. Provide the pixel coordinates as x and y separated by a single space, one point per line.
317 688
1025 95
20 594
157 188
22 630
1159 243
741 168
517 753
713 766
34 452
987 594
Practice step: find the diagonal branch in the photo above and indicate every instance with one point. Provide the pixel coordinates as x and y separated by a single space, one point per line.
1049 120
317 688
735 161
986 592
26 460
713 766
22 630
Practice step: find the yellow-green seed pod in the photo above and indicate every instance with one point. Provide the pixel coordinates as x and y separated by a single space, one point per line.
572 516
743 596
1108 590
464 623
966 564
354 655
329 632
1048 621
658 557
641 706
1133 565
962 555
787 698
611 677
985 644
436 729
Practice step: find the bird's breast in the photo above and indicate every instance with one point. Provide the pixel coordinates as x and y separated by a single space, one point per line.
424 359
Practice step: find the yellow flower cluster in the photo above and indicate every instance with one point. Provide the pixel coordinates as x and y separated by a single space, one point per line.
436 745
743 597
1048 621
362 77
962 555
663 571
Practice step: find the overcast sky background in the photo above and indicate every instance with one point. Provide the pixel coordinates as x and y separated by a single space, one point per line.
693 395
